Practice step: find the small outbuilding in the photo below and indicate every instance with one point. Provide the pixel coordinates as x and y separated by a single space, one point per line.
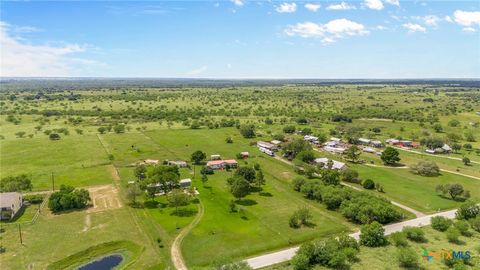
185 183
336 165
244 154
10 204
215 157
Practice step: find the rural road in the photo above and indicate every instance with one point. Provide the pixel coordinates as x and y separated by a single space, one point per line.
427 154
175 251
287 254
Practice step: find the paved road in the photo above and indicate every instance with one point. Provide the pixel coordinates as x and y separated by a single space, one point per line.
287 254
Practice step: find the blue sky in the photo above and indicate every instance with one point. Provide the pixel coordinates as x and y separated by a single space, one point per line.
241 39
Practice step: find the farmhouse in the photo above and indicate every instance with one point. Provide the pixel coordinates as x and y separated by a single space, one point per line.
178 163
335 150
222 164
10 204
336 165
266 145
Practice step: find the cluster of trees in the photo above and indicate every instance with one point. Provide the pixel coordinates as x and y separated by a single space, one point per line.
455 191
335 253
300 217
245 180
425 168
293 148
17 183
358 207
68 198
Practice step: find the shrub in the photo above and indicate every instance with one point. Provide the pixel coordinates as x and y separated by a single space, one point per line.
54 136
468 210
297 183
68 198
415 234
289 129
306 156
372 235
368 184
365 208
440 223
462 226
390 156
407 257
475 223
399 239
454 190
301 262
425 168
301 217
350 175
452 235
34 198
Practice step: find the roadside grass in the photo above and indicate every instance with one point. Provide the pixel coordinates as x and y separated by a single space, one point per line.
417 191
386 257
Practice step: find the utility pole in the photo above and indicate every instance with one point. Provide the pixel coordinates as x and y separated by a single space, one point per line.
20 234
53 182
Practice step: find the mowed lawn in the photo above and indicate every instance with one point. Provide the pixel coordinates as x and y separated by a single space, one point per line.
262 224
74 160
417 191
54 237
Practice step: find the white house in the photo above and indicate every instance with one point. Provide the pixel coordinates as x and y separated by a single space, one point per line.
336 165
336 150
178 163
364 141
266 145
221 164
311 139
10 204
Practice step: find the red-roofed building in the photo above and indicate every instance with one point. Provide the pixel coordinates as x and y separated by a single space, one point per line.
221 164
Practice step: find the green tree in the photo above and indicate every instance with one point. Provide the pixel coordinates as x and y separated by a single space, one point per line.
466 161
306 156
239 187
178 198
247 131
353 153
468 210
259 179
197 157
119 129
204 179
101 130
132 193
248 173
54 136
390 156
140 172
440 223
330 177
17 183
372 235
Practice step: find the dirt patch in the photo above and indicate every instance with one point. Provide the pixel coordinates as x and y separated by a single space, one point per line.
286 174
104 198
88 223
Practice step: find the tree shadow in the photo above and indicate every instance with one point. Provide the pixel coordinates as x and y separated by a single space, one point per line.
244 217
309 224
265 194
255 189
151 204
184 212
246 202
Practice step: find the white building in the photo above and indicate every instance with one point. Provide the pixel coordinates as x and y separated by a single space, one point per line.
10 204
336 150
266 145
336 165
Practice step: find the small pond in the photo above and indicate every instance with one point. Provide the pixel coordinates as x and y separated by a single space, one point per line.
104 263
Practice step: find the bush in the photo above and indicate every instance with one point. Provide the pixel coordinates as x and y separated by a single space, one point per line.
301 262
399 239
452 235
289 129
306 156
17 183
368 184
407 257
462 226
350 175
440 223
425 168
475 223
390 156
68 198
54 136
415 234
34 198
365 208
297 183
372 235
301 217
468 210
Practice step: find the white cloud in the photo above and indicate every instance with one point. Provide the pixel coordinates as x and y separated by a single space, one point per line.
393 2
286 8
467 18
329 32
312 7
216 4
469 29
448 19
237 2
197 71
22 59
412 27
429 20
380 27
340 6
373 4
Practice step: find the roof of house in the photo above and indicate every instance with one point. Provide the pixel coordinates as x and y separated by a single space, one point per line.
265 144
218 162
244 153
446 147
7 198
336 164
186 180
151 161
276 142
